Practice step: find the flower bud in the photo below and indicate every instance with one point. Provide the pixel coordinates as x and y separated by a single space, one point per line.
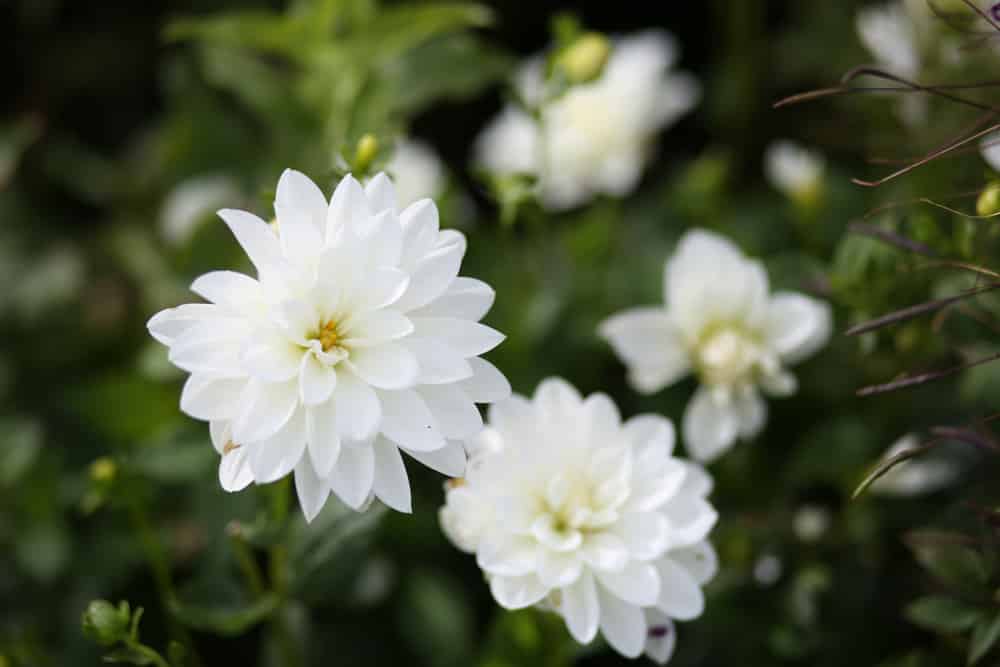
989 200
584 59
364 154
103 470
105 623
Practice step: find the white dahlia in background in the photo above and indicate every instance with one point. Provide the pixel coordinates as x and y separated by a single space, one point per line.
720 323
794 171
596 137
416 171
568 508
356 340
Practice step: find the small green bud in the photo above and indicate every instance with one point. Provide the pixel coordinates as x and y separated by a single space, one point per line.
989 200
103 470
364 154
105 623
585 58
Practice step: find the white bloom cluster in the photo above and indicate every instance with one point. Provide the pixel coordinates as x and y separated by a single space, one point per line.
595 137
721 323
356 339
569 508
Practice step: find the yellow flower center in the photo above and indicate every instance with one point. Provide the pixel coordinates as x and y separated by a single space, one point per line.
328 335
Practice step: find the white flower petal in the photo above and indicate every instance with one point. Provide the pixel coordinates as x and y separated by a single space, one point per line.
354 474
646 534
487 384
273 358
752 413
699 559
661 636
421 228
797 326
649 343
300 208
229 289
454 412
708 280
605 552
168 324
432 275
207 397
256 238
374 328
348 211
557 570
637 583
266 407
384 286
276 456
390 483
680 595
234 470
381 193
469 339
439 364
385 366
465 298
580 609
311 490
691 519
622 624
449 460
517 592
316 380
710 427
324 440
408 422
358 408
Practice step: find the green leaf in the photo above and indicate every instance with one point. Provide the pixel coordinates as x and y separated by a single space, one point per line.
20 443
130 655
942 614
984 637
884 466
226 621
950 559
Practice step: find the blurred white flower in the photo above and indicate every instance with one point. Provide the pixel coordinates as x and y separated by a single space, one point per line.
890 33
811 522
568 508
720 323
356 340
595 138
416 171
767 570
191 203
793 170
989 149
899 34
915 476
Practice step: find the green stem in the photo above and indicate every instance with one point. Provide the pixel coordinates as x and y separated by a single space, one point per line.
160 566
247 562
280 502
154 657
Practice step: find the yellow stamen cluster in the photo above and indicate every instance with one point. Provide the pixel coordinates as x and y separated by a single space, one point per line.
230 446
328 336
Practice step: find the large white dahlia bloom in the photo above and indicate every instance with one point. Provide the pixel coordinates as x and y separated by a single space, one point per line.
356 339
568 508
596 137
721 323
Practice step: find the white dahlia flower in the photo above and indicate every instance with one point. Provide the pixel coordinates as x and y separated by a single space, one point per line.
595 138
568 508
356 339
417 171
720 323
